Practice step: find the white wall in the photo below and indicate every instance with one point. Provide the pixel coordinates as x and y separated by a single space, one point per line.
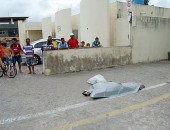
22 33
46 27
150 33
35 35
120 31
75 20
63 24
94 21
33 25
53 30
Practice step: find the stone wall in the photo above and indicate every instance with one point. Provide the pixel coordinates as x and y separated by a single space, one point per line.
65 61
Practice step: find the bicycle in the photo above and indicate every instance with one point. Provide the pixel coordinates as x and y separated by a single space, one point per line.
8 69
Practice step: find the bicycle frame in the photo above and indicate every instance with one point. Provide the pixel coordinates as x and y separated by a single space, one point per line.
9 67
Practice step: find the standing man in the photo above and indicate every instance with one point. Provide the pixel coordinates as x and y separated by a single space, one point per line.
29 52
72 42
16 48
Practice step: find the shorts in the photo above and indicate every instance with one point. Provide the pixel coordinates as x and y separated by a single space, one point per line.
7 60
29 61
16 59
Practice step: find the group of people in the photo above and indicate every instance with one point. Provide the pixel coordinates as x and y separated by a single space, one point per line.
72 43
13 53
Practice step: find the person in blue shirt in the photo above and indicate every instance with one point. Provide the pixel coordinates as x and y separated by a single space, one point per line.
63 44
29 52
96 43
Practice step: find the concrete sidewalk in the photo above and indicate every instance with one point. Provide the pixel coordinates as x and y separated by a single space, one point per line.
32 94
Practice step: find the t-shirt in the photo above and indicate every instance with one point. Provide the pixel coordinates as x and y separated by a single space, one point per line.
73 43
54 44
63 45
28 50
47 47
16 48
95 43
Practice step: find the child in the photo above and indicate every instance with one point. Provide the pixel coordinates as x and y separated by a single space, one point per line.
82 44
88 45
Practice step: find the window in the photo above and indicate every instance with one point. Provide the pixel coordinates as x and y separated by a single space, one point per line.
2 32
39 44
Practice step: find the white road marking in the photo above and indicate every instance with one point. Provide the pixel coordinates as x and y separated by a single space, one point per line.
63 109
156 86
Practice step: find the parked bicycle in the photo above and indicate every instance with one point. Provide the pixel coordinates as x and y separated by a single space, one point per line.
8 69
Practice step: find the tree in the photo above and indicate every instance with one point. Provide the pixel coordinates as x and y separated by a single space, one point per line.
146 2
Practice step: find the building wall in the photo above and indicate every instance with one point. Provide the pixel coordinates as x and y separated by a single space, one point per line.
63 24
94 21
46 27
33 25
53 30
35 35
22 32
75 20
74 60
150 33
32 30
120 31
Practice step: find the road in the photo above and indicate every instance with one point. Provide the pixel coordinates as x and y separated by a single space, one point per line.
39 102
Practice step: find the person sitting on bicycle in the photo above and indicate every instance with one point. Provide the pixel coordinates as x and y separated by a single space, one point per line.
7 53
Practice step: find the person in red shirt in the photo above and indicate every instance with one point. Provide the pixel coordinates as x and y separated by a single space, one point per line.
1 55
72 42
16 48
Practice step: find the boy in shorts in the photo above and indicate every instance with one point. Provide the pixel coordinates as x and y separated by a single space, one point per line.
29 52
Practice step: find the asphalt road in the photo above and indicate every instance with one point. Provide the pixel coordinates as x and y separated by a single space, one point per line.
39 102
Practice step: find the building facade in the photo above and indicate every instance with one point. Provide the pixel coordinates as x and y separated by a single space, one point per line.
9 27
147 33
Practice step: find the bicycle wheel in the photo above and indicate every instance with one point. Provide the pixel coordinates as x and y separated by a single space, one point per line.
5 69
1 72
11 72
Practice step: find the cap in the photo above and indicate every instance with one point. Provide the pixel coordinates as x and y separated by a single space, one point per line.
71 34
